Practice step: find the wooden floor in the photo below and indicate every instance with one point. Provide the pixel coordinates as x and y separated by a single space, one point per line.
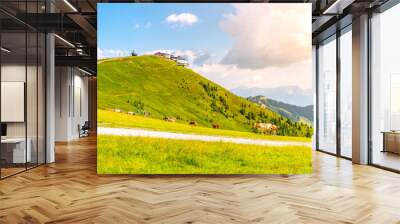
387 159
70 191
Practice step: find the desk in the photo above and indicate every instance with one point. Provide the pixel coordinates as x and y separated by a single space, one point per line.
391 141
13 150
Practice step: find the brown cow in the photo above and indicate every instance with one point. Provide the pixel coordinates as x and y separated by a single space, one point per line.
194 123
170 119
216 126
266 128
273 130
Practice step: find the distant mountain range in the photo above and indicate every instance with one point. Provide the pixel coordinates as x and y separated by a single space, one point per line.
289 94
293 112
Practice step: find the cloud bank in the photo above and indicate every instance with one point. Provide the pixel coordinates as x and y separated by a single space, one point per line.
271 47
266 35
182 19
232 76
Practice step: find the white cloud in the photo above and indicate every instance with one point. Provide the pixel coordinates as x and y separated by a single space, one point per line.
183 19
232 76
266 35
145 25
111 53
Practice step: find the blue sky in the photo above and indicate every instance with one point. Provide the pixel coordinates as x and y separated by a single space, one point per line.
248 45
143 27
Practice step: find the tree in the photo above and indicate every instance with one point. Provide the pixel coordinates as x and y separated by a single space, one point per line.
133 53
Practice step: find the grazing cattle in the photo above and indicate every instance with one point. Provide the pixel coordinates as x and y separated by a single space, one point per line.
266 128
216 126
170 119
117 110
146 114
131 113
194 123
273 130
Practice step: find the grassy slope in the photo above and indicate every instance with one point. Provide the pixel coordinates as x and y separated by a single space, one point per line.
295 113
138 155
113 119
170 90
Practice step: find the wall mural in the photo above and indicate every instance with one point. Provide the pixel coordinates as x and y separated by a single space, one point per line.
204 89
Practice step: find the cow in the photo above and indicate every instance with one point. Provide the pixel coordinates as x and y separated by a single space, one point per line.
131 113
266 128
194 123
216 126
273 129
146 114
170 119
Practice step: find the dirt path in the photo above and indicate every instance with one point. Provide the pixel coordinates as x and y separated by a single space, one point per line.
207 138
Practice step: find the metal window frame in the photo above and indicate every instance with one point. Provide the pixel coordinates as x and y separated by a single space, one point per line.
340 31
387 5
381 9
44 73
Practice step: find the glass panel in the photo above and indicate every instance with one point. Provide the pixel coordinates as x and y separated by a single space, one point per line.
346 94
13 88
327 96
23 90
31 98
32 88
385 115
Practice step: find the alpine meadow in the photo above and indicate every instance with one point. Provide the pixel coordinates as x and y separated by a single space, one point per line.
157 87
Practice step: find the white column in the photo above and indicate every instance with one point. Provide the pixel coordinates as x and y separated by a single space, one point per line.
50 99
360 90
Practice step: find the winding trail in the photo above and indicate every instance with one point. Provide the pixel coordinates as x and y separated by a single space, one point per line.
207 138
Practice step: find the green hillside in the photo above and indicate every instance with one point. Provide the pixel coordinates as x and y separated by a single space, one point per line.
293 112
157 86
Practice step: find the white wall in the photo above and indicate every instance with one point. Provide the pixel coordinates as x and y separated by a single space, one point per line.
71 87
12 73
62 82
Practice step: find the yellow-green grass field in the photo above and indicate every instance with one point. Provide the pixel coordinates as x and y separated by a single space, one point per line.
122 120
140 155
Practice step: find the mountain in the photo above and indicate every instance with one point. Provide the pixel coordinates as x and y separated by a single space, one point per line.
289 94
157 86
293 112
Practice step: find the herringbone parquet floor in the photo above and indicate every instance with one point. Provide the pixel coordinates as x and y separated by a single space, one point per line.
70 191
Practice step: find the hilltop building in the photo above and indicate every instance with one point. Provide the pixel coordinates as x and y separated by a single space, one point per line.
181 61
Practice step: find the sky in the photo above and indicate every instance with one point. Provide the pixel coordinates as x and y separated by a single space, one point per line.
247 45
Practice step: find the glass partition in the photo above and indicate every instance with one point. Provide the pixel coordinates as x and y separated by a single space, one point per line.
346 93
13 94
327 96
31 97
385 89
22 77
